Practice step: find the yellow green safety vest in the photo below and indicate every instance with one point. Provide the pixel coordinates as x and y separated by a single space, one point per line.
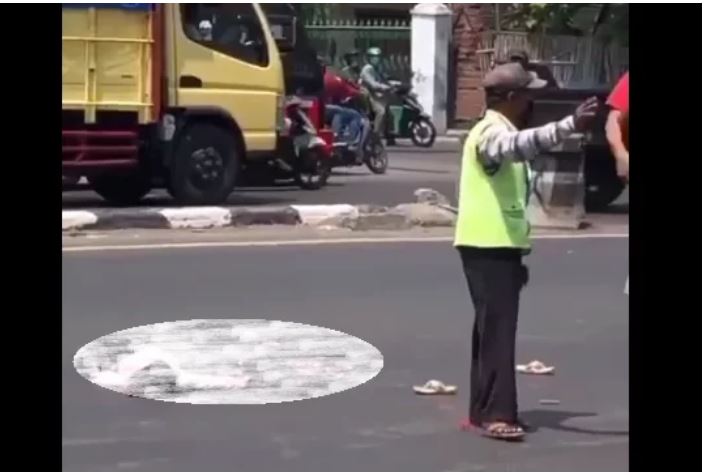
491 208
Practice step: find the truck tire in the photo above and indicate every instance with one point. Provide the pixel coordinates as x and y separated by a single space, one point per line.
121 189
602 185
205 166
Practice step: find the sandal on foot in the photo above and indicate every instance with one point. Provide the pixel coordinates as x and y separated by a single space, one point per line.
501 431
435 388
467 425
535 368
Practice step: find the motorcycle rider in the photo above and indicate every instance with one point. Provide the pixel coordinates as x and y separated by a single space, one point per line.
338 92
351 70
376 88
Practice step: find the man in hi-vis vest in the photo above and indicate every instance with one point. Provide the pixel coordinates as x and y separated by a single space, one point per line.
492 235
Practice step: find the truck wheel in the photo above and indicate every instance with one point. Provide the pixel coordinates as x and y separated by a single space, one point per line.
205 165
121 189
602 185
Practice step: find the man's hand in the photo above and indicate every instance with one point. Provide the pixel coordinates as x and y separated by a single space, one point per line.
585 114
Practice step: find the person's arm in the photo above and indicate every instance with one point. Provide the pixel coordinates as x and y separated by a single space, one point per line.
613 130
367 77
351 90
497 144
619 103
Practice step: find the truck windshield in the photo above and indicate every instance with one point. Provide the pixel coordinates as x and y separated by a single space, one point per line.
303 73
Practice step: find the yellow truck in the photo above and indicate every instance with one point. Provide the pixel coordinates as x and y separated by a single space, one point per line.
175 95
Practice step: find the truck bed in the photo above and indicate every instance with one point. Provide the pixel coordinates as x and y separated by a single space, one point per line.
108 57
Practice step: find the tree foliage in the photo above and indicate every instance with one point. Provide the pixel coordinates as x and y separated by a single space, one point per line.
607 21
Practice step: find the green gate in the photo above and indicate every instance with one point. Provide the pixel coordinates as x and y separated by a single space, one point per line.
333 38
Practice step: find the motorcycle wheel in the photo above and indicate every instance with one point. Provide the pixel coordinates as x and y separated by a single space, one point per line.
376 159
313 170
423 132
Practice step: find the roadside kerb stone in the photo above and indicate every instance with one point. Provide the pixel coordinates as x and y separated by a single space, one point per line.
326 215
197 217
384 221
72 220
177 218
286 215
431 197
147 218
425 215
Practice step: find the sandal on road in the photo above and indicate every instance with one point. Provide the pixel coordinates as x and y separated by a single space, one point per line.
535 368
435 388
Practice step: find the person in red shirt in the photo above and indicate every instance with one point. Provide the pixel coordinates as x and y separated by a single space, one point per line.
617 128
338 92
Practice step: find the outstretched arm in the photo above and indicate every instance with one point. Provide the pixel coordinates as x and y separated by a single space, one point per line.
497 144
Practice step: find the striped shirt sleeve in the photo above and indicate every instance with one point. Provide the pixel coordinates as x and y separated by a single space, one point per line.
498 143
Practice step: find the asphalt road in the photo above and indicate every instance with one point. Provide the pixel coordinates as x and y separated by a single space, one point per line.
406 299
410 168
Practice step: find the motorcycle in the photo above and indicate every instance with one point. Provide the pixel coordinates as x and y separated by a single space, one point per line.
367 148
309 151
304 152
411 120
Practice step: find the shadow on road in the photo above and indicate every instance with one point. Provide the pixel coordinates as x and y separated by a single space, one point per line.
410 149
422 170
618 208
555 420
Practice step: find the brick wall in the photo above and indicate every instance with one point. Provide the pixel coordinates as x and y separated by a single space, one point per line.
470 20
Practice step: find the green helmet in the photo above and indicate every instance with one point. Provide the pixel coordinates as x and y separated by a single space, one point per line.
374 51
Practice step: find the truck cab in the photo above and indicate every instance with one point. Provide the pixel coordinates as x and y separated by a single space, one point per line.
178 95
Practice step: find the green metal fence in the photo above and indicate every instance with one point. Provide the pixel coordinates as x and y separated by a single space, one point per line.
333 38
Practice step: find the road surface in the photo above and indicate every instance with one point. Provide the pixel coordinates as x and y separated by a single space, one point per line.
409 301
410 168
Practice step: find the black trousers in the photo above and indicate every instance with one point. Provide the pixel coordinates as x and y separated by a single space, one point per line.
495 278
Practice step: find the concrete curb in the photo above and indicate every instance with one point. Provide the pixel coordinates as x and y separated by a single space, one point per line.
431 210
340 216
177 218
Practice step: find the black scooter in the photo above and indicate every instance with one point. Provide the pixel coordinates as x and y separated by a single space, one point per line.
414 123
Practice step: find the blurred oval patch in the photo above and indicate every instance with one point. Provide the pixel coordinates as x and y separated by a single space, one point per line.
228 362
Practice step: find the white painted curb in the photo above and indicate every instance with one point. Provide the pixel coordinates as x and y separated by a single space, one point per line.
314 215
77 219
197 218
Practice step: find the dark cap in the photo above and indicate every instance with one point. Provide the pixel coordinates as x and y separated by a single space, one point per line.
511 77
